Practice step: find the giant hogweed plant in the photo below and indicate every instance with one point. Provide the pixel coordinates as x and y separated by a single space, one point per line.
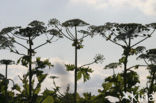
75 30
149 58
127 36
26 37
22 95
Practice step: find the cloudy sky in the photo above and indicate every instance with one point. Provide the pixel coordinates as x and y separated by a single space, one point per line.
97 12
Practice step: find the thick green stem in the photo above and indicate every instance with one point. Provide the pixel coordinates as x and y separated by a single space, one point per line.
6 76
151 87
6 72
125 74
126 54
30 69
75 89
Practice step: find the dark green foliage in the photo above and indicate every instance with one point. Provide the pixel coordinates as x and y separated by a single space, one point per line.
69 26
4 40
5 96
126 35
28 34
23 94
34 29
114 85
149 58
83 72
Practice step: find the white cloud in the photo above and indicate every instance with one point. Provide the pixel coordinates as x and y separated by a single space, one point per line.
146 6
65 78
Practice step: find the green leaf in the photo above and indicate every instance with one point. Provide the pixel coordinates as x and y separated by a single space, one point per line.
41 77
79 75
48 92
16 87
122 60
84 72
49 99
18 61
70 67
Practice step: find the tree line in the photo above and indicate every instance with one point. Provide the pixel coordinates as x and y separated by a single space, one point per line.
127 36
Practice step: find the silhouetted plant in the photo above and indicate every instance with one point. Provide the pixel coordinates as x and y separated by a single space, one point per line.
84 71
29 34
23 94
113 66
149 58
4 41
6 63
77 39
127 36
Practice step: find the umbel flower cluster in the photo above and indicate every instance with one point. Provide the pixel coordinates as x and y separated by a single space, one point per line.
127 36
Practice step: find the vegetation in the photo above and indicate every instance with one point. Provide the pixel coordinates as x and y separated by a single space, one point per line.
127 36
123 35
